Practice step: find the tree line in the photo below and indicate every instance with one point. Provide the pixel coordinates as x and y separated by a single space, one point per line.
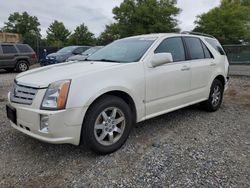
229 22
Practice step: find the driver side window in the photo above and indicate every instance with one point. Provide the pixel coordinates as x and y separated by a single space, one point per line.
173 46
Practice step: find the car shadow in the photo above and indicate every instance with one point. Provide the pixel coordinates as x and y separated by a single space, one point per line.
2 71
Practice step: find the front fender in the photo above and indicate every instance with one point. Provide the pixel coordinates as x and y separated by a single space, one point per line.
86 89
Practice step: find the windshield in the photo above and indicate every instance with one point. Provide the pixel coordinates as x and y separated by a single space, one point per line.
68 49
125 50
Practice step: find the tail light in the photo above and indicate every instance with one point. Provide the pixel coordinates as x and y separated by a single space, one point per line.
34 56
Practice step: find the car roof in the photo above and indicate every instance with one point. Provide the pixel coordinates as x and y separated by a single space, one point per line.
160 35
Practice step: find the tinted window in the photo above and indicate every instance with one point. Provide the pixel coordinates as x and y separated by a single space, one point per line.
207 53
216 45
195 48
23 48
9 49
173 46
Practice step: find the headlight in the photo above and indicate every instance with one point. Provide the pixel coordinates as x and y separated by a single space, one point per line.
56 95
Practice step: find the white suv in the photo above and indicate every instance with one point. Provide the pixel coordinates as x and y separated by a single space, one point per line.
98 100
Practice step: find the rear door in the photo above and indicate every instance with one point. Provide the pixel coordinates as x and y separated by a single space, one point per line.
8 56
26 52
201 60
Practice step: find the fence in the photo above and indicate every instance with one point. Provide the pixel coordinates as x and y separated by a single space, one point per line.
238 54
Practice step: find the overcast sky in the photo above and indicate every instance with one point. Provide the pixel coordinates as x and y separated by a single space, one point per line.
94 13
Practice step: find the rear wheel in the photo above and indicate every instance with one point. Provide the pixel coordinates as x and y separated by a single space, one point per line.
107 125
215 97
22 66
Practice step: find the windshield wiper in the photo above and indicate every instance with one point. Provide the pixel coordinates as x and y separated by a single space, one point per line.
103 60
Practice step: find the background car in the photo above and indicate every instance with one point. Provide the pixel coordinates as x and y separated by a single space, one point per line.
85 54
63 54
16 56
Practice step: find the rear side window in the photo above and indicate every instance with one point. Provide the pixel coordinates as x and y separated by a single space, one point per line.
8 49
195 48
173 46
207 53
216 45
23 48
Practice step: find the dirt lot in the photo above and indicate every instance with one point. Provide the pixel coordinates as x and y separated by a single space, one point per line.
186 148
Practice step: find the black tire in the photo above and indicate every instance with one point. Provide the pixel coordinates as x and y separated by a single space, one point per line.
89 132
22 66
212 105
9 69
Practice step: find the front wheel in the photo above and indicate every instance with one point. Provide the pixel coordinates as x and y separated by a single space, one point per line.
215 97
107 125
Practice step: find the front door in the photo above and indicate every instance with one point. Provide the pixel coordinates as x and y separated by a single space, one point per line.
167 85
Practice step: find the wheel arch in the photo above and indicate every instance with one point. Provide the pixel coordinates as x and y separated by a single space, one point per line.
124 96
22 59
221 78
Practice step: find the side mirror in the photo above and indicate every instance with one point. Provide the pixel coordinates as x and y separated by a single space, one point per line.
161 58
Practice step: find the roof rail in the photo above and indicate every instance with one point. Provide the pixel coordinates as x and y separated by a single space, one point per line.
197 33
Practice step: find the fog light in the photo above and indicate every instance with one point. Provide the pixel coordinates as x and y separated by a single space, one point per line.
44 123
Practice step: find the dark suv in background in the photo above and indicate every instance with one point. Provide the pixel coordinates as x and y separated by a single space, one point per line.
16 56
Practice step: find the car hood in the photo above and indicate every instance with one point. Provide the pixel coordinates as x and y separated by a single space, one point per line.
42 77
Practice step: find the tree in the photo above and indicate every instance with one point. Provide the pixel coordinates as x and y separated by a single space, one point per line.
109 34
57 34
82 36
24 24
245 2
229 22
134 17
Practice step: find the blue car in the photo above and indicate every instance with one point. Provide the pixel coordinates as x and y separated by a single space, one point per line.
64 53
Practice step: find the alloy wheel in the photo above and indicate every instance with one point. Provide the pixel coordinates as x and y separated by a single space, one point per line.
216 96
22 67
109 126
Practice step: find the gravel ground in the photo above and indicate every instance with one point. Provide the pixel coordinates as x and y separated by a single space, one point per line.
185 148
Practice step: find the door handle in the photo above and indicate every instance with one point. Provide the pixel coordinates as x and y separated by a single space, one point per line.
212 64
185 68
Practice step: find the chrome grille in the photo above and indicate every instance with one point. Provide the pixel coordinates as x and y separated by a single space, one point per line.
22 94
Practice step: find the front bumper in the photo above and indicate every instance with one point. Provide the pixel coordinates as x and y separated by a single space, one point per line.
64 125
51 61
